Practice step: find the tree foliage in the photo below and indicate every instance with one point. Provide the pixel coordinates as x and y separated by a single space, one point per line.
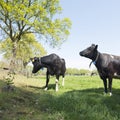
28 47
18 17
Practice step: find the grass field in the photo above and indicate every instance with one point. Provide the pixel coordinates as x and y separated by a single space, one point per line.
80 99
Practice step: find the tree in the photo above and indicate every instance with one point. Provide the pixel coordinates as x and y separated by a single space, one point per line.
28 47
19 17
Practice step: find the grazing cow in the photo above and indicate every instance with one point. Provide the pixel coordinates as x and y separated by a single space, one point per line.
108 66
54 64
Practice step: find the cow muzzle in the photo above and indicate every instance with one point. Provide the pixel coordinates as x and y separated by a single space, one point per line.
81 54
33 71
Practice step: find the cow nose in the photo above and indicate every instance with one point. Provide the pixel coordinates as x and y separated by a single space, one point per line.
33 71
80 53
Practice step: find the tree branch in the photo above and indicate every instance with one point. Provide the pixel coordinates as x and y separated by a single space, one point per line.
4 30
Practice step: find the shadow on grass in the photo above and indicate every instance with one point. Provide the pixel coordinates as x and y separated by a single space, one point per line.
34 87
46 105
50 86
83 104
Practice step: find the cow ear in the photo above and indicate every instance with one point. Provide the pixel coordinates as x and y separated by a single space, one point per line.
96 47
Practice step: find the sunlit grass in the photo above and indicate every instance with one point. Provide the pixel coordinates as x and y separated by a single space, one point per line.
81 98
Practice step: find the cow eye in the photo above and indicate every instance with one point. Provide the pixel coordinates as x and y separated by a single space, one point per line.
36 60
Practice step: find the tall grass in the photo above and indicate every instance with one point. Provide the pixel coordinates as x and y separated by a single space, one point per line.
81 98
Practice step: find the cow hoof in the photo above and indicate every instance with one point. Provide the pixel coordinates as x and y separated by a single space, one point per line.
56 90
110 94
46 89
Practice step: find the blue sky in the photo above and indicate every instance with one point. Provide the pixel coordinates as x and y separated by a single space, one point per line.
93 21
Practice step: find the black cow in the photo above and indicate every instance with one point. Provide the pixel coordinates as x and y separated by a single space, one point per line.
54 64
108 66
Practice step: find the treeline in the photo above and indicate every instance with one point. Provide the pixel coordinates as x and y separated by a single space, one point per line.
70 71
75 71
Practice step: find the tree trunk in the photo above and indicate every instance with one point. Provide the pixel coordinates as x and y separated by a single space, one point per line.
13 66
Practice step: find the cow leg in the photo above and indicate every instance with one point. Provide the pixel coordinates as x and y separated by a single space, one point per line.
47 80
63 81
105 85
110 86
57 79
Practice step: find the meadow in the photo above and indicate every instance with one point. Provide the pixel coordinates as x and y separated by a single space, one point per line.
81 98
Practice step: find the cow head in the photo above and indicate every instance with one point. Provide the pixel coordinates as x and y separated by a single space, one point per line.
90 52
36 64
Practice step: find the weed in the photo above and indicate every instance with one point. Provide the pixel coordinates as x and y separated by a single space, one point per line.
8 82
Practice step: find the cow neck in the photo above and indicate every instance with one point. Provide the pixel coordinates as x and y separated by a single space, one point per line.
94 61
41 63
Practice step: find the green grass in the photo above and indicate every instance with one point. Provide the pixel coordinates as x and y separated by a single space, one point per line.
80 99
